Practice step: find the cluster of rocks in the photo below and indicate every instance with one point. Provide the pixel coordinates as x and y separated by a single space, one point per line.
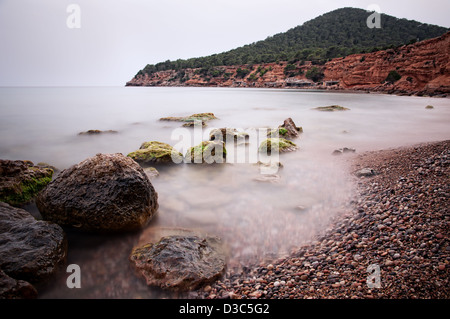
400 223
214 150
104 194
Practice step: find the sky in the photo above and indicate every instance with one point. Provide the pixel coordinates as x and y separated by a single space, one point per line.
106 42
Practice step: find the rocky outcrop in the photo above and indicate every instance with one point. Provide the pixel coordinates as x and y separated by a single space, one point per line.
156 153
20 181
180 262
30 250
104 193
423 67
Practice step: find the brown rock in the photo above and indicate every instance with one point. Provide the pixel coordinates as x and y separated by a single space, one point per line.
30 250
180 262
104 193
20 181
15 289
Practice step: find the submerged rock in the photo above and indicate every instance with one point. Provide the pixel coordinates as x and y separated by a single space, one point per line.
97 132
104 193
331 108
151 172
277 144
207 152
156 153
30 249
227 135
204 117
180 262
195 123
344 150
20 181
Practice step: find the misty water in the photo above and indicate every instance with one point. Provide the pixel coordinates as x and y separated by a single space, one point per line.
257 220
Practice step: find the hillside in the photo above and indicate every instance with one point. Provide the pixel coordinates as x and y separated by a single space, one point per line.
422 68
335 34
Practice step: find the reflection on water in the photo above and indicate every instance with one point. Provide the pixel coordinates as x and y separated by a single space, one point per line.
258 217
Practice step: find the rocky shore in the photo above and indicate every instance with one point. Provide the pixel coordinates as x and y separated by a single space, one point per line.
399 223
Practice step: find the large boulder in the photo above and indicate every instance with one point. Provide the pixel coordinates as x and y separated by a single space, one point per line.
156 153
30 249
20 181
180 262
104 193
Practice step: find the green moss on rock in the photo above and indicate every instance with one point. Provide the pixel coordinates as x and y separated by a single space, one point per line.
21 181
156 152
191 118
277 144
331 108
207 151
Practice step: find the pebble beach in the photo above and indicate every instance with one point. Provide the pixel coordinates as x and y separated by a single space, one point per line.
398 224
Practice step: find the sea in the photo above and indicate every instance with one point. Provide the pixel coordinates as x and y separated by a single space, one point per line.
258 216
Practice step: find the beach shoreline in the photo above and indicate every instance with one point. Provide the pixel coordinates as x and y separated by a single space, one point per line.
399 225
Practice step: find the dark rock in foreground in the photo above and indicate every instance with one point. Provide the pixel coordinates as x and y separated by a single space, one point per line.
105 193
30 250
20 181
15 289
180 262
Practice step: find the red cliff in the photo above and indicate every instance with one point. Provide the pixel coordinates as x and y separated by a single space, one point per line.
422 68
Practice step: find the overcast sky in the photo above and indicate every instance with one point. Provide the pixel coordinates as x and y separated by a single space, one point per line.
117 38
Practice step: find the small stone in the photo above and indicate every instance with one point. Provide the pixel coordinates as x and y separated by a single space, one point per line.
441 267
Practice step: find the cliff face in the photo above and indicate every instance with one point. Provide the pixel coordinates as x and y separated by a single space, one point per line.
423 68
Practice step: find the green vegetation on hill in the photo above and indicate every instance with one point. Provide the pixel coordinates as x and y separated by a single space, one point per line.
334 34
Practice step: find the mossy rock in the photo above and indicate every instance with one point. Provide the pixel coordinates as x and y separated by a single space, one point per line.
21 181
208 151
280 131
227 135
195 123
156 153
192 118
277 144
331 108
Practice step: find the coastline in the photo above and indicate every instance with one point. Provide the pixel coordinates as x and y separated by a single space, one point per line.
399 222
329 90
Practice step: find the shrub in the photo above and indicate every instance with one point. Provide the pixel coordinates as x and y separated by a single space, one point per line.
315 74
393 77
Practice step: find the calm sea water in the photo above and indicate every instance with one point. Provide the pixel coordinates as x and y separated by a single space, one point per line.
256 220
